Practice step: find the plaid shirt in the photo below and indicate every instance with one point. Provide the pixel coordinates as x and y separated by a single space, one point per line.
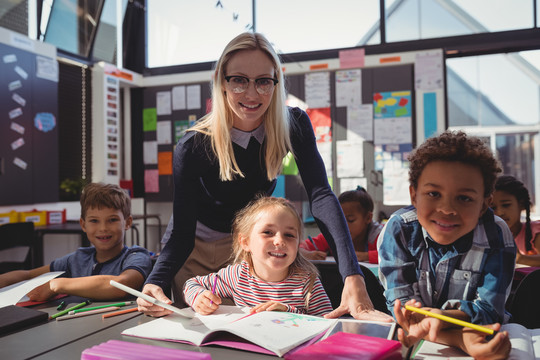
473 274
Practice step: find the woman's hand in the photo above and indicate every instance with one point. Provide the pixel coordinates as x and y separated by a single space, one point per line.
269 306
355 300
150 309
206 303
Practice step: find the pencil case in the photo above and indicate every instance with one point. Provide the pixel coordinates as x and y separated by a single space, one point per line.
125 350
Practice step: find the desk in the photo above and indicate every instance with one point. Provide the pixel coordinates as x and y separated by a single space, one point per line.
67 339
70 227
43 338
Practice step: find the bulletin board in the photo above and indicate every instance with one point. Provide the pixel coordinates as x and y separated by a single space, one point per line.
166 114
28 127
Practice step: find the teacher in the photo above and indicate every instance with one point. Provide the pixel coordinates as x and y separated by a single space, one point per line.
231 155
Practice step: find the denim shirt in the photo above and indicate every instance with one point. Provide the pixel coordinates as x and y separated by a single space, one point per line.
473 274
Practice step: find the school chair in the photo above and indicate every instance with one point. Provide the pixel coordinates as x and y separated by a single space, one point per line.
524 305
16 251
333 285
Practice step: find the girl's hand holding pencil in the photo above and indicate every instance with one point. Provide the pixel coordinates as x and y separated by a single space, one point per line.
207 302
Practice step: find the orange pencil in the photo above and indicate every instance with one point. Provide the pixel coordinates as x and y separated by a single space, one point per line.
104 316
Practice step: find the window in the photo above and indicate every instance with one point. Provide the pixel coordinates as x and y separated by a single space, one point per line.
498 96
424 19
72 25
185 32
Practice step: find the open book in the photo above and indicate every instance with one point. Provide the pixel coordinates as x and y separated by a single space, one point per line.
525 346
268 332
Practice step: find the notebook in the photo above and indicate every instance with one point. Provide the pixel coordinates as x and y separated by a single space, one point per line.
345 346
268 332
125 350
14 317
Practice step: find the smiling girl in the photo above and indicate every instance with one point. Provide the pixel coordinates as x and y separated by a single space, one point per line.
268 274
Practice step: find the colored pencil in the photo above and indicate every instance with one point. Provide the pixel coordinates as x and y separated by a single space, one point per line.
125 311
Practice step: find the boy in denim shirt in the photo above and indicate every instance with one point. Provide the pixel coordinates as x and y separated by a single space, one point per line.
448 252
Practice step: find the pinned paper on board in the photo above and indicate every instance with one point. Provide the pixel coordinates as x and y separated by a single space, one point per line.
149 119
150 152
44 121
163 103
151 181
10 58
165 163
47 68
163 132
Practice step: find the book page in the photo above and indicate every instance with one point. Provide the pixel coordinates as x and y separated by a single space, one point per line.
278 331
432 351
525 342
525 346
12 294
174 327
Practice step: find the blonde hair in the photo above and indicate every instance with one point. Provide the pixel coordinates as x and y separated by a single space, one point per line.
218 123
246 219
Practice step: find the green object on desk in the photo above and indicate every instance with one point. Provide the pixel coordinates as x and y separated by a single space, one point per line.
102 306
64 312
61 306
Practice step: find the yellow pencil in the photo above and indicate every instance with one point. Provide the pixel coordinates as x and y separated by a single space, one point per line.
452 320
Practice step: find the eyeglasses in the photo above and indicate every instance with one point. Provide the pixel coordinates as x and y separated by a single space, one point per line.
239 84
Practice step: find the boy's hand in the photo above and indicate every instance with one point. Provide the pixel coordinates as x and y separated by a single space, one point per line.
206 303
476 345
269 306
150 309
41 293
416 325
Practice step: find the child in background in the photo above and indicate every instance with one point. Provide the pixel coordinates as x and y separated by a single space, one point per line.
357 207
268 273
511 197
448 252
105 217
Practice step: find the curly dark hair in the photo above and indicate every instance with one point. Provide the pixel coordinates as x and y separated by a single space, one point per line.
455 146
516 188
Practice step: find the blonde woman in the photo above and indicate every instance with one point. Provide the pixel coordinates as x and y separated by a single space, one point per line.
232 155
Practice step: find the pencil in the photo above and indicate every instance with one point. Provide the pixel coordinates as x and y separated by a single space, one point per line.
124 303
214 288
86 313
104 316
313 242
64 312
452 320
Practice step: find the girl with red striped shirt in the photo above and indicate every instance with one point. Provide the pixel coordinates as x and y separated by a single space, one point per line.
268 272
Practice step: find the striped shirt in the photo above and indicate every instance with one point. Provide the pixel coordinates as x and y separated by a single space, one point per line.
237 282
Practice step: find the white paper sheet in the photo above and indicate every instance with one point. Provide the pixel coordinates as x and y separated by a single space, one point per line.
10 295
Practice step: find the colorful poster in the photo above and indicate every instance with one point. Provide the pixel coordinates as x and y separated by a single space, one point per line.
392 117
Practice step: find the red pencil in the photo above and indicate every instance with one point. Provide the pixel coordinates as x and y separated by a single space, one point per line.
104 316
